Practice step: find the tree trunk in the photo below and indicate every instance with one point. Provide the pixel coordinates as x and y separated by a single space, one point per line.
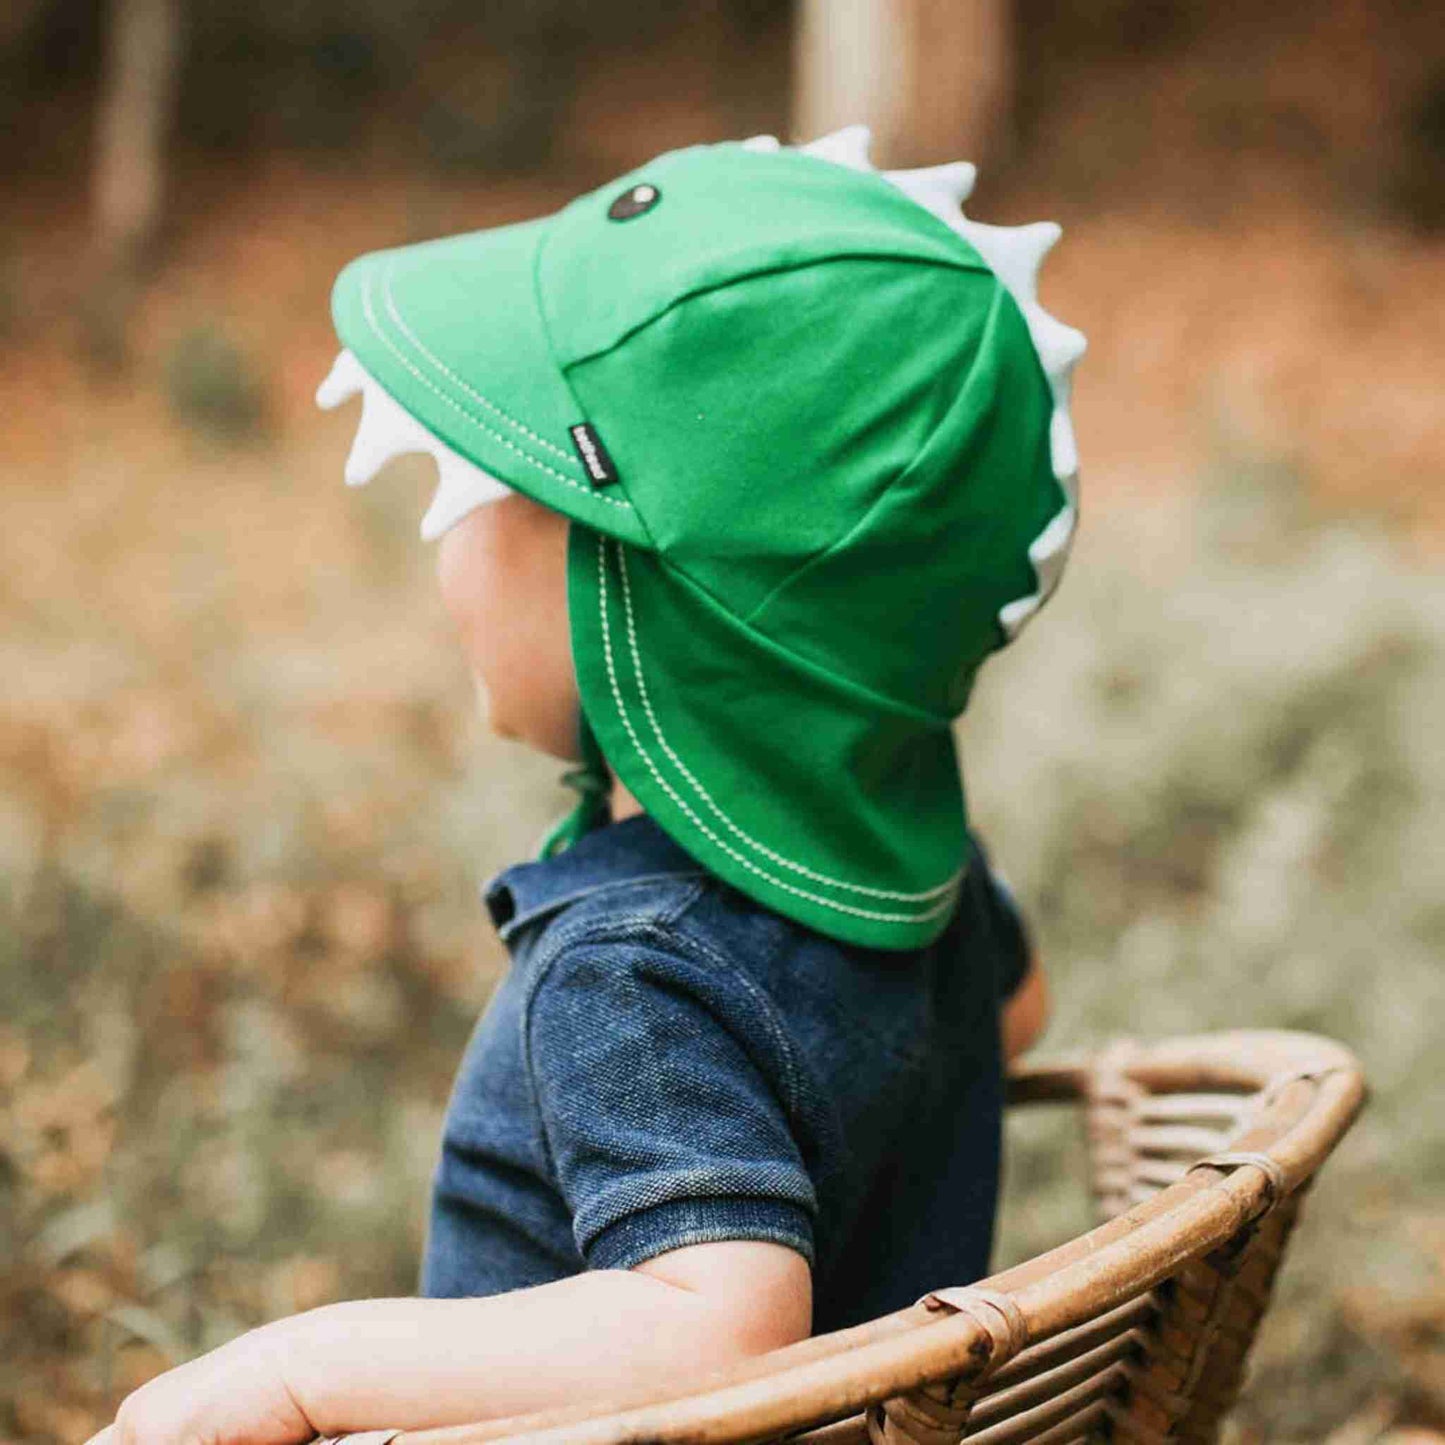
934 78
15 18
849 66
128 181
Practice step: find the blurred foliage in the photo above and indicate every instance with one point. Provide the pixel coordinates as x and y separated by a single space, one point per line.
460 83
1341 99
212 385
1215 772
244 798
1418 180
1333 102
239 941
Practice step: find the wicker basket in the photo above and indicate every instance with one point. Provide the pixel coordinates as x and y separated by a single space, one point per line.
1200 1148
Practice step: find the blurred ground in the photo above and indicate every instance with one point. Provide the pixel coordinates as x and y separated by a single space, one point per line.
245 798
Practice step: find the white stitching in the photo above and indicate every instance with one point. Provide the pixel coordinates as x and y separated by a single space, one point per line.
370 314
898 897
732 852
451 376
747 863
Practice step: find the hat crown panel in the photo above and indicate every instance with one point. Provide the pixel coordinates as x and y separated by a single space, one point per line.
725 213
758 425
913 597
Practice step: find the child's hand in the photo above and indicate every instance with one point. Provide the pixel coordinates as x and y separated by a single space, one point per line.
236 1395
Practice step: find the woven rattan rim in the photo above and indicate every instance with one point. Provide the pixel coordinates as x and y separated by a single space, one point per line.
1305 1092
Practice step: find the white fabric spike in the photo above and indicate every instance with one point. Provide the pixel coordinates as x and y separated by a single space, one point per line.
463 487
943 189
387 430
342 382
1064 450
846 147
380 435
1047 552
1050 548
1059 346
1013 254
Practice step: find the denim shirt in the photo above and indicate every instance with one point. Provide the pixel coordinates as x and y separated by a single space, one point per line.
668 1063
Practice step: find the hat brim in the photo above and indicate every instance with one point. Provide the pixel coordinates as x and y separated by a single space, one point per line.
781 779
451 329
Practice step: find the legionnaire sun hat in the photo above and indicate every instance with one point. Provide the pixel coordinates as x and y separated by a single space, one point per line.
814 427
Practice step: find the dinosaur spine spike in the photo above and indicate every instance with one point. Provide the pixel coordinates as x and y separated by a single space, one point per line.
947 185
1064 449
846 147
1048 553
387 430
342 382
1059 346
1035 241
462 488
371 447
1013 254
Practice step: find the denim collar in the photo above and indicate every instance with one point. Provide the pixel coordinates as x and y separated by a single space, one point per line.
625 852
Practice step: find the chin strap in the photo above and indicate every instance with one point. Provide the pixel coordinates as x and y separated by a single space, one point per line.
591 780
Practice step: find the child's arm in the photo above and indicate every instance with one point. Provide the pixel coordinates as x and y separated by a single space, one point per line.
411 1363
1025 1011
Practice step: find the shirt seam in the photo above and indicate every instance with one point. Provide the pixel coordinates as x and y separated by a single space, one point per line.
627 929
800 1240
564 901
781 1039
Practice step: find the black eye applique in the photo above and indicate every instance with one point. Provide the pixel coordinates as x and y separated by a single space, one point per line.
634 202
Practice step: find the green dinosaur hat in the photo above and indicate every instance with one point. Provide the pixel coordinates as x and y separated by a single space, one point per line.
814 425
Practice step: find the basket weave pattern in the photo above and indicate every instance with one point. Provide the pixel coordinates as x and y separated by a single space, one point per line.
1200 1152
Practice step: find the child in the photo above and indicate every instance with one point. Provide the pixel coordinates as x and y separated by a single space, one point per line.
747 461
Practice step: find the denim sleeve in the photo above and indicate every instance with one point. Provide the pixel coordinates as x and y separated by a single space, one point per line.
661 1080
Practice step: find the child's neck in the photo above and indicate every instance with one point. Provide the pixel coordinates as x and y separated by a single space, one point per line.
623 804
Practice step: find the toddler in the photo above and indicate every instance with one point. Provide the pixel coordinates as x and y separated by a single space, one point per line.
747 461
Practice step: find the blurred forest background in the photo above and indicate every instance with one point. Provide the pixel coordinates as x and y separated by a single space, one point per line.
245 799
